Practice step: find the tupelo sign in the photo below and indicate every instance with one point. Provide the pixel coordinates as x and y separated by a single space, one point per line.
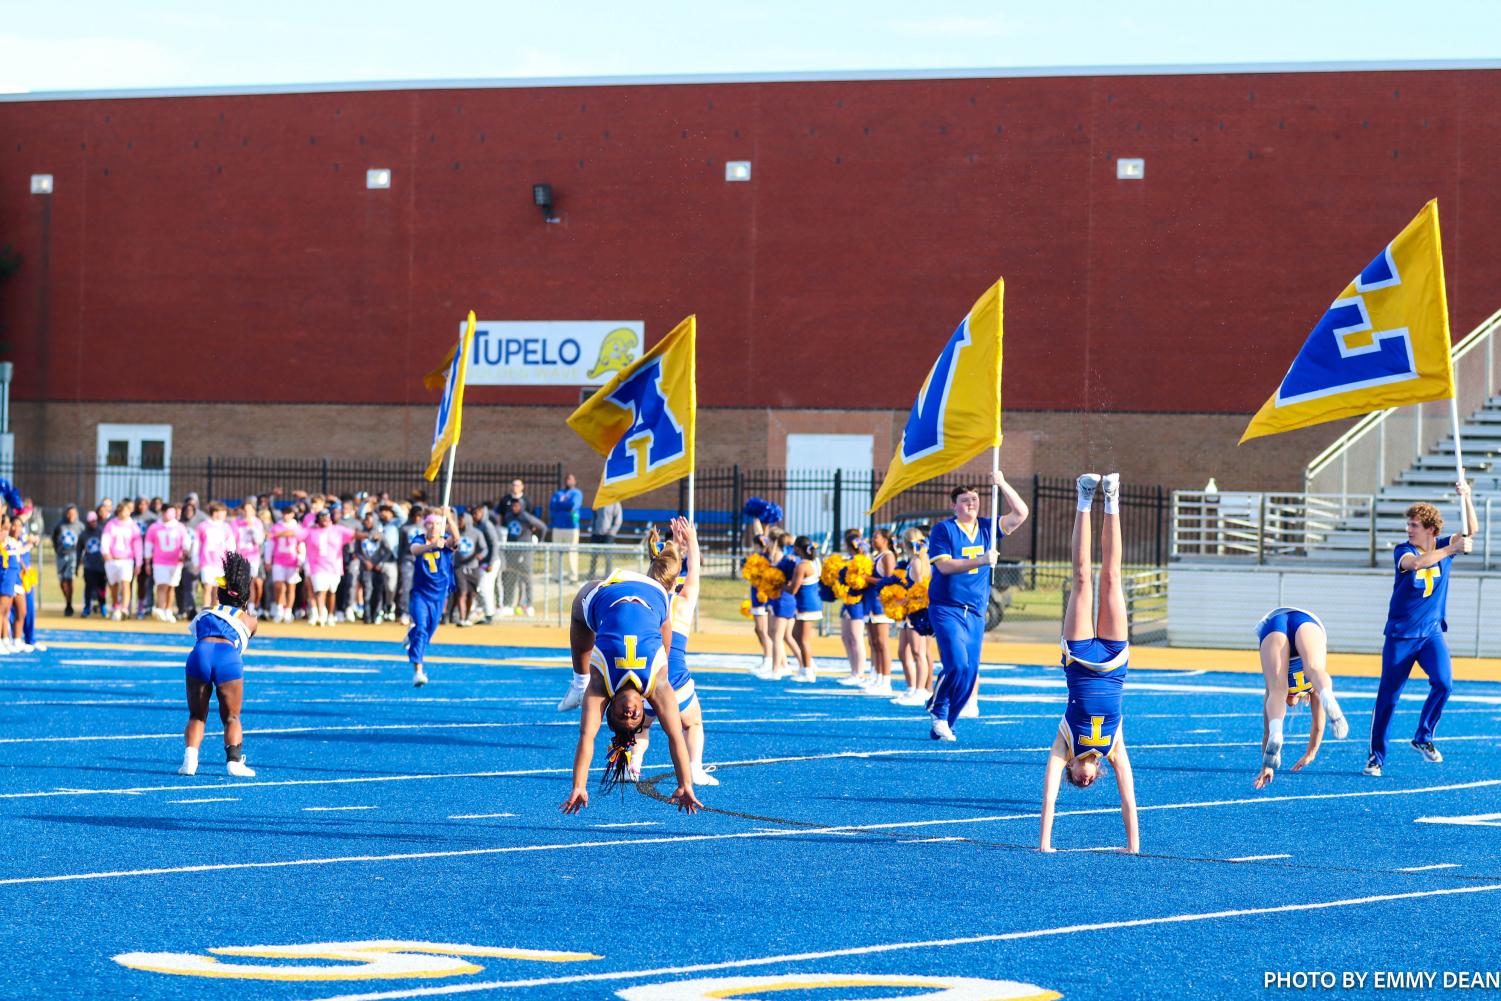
552 353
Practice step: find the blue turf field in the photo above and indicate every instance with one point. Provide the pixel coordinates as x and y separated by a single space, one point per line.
842 841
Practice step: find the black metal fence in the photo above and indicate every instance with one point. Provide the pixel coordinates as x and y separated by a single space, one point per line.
819 503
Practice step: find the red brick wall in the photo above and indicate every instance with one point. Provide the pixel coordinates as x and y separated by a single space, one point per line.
225 247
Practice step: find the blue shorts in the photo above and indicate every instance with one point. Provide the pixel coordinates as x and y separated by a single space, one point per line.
215 663
855 611
1095 651
1288 621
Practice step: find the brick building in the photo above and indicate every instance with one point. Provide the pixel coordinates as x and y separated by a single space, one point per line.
214 261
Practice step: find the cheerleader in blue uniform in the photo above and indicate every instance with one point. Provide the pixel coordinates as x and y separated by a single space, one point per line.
877 622
1095 655
1293 649
783 607
216 665
624 636
10 581
852 621
912 642
960 554
684 603
808 605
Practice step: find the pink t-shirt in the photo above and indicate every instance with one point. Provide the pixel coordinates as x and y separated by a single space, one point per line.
286 544
165 542
249 534
215 538
119 539
325 548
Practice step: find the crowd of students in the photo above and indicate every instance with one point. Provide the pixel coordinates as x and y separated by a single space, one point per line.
325 558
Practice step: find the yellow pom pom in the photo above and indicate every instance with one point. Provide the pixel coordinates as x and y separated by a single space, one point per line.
829 576
894 601
917 597
745 608
755 565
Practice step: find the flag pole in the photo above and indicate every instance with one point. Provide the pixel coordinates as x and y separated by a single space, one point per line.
995 495
690 498
1459 461
448 478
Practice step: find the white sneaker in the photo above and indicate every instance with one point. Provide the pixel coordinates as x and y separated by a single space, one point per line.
805 675
880 686
703 778
419 677
916 697
530 611
1112 484
40 648
971 709
1341 727
189 764
1429 752
26 648
239 769
1088 484
854 680
406 619
504 613
763 671
573 699
941 730
118 615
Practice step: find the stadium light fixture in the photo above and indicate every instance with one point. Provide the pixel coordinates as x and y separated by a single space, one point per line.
542 198
378 177
41 184
1130 169
737 170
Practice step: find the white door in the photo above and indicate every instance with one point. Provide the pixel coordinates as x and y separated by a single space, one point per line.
135 460
812 459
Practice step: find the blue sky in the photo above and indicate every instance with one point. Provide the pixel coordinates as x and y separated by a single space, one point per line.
94 45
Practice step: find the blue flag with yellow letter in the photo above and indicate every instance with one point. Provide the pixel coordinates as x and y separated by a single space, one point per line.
1384 342
451 405
642 420
958 411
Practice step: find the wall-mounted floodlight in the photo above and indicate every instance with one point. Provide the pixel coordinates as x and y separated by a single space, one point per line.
542 198
378 177
737 170
41 184
1130 169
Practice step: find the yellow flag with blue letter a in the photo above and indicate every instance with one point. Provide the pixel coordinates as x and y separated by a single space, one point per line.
642 420
1384 342
451 405
958 412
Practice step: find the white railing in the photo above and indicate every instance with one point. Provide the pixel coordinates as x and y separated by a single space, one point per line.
1353 530
1381 445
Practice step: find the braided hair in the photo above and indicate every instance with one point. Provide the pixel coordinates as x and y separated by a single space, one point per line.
618 755
234 586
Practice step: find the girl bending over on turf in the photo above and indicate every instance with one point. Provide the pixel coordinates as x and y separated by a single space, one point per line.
804 589
216 665
1094 661
1293 648
683 604
621 630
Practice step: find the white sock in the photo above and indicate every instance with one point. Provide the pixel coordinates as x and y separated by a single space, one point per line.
1331 706
1274 731
580 682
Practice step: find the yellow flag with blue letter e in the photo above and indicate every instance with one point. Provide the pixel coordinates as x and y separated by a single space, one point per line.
958 411
1384 342
642 420
451 404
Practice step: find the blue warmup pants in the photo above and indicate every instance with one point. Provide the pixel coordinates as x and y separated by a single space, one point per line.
959 630
1397 657
426 610
28 629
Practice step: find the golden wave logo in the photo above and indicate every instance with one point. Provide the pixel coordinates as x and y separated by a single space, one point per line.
616 351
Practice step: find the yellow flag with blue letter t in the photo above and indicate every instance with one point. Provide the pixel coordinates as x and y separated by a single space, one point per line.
642 420
958 412
451 405
1384 342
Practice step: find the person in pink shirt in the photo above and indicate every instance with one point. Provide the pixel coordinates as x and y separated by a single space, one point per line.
215 538
325 563
287 540
166 545
120 544
249 535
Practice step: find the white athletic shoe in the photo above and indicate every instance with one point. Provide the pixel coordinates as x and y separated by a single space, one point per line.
1088 484
763 671
971 709
189 764
40 648
29 648
1341 727
239 769
880 686
805 675
419 676
1271 755
703 778
573 699
1429 752
1371 768
942 731
854 680
1112 484
915 697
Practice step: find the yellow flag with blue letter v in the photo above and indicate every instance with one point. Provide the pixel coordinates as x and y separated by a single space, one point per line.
451 405
1384 342
642 420
958 411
